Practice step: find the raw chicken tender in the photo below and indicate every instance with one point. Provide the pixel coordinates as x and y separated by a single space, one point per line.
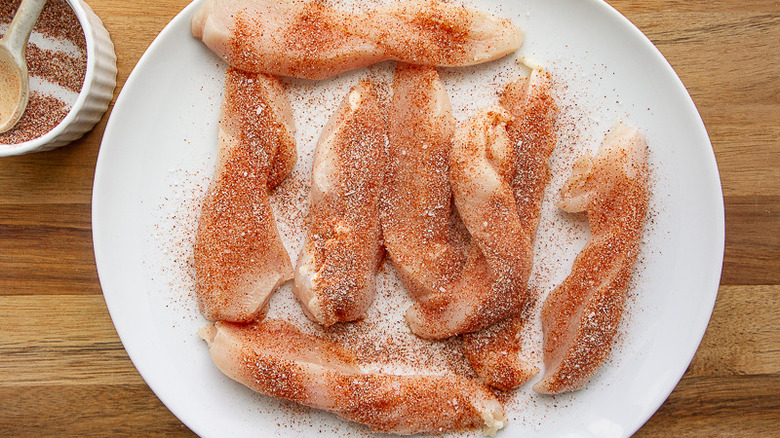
304 39
494 352
492 285
581 316
314 40
416 208
435 33
336 272
274 358
239 258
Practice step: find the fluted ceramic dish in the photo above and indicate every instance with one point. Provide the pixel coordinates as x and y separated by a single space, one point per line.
95 94
158 154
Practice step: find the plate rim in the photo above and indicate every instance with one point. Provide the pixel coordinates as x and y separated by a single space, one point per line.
698 128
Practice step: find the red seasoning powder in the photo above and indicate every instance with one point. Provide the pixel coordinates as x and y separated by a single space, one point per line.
59 25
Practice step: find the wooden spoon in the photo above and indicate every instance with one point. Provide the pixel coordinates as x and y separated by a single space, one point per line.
14 92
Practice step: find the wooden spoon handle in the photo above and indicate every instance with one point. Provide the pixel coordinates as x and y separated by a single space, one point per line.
15 39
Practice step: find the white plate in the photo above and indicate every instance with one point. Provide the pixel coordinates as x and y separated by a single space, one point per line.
159 146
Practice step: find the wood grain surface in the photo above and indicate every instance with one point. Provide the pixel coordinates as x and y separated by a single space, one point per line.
64 372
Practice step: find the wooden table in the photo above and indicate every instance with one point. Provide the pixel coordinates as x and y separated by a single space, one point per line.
63 370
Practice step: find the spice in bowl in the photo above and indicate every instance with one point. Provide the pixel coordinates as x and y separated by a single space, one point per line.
57 64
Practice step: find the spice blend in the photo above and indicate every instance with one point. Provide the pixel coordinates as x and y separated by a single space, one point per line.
61 65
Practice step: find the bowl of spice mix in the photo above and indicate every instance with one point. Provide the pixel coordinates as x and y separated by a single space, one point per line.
72 68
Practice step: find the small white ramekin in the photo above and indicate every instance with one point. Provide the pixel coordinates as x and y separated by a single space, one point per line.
95 95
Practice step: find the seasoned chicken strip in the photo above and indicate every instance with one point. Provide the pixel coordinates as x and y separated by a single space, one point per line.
492 285
335 275
581 316
416 209
494 352
435 33
239 258
314 40
303 39
274 358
